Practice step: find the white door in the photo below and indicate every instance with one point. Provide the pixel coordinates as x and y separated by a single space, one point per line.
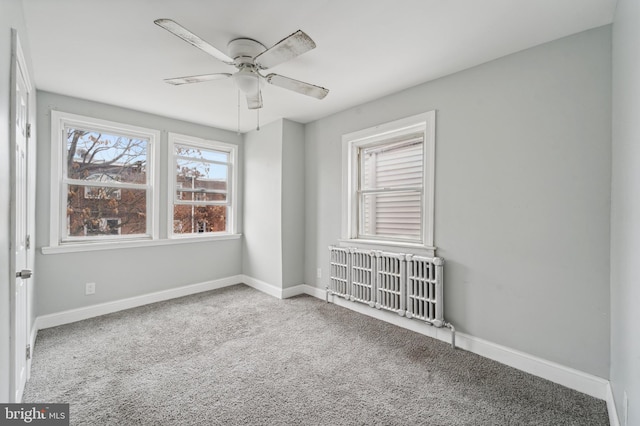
20 214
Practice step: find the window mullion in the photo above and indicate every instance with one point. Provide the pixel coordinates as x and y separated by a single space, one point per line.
118 185
201 203
397 189
201 160
202 191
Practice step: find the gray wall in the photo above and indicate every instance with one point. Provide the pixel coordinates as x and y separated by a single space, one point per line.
262 248
11 16
273 249
293 213
625 211
523 151
120 274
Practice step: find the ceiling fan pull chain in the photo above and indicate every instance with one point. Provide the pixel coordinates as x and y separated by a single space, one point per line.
238 111
259 97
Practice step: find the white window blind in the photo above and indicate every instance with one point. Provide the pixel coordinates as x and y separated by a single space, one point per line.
391 188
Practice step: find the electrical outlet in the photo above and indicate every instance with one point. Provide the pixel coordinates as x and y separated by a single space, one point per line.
319 273
625 409
89 288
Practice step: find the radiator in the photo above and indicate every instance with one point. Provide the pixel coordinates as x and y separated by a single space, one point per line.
362 268
424 289
390 279
409 285
339 272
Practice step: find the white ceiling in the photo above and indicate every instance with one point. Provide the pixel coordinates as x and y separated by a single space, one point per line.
111 51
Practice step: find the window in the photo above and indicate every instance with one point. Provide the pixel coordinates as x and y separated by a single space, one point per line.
202 175
103 185
389 182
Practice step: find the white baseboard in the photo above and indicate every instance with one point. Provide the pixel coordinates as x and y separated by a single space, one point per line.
262 286
294 291
557 373
73 315
560 374
274 290
614 420
314 291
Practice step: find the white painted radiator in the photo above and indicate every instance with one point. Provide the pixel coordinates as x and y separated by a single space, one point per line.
424 289
406 284
339 272
390 279
362 277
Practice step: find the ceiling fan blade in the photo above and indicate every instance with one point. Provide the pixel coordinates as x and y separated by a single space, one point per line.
254 100
196 78
297 86
290 47
186 35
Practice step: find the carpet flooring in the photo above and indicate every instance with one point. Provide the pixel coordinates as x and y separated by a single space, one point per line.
236 356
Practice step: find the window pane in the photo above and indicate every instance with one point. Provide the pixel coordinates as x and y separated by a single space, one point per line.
199 219
104 213
194 175
201 170
392 166
203 174
103 157
392 214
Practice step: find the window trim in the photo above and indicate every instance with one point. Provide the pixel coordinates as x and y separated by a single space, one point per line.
180 139
352 142
119 245
58 220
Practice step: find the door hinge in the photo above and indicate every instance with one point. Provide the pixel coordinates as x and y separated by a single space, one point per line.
27 242
28 351
28 130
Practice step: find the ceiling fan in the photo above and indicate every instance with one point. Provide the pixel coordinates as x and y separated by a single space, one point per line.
250 57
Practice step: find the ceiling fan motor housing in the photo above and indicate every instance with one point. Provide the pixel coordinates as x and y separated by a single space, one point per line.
243 50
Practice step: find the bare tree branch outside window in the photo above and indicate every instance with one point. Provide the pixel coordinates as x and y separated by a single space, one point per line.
107 176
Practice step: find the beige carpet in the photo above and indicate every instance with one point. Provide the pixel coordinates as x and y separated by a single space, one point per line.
236 356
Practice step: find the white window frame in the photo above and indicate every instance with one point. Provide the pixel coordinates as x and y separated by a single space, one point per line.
352 143
232 193
58 226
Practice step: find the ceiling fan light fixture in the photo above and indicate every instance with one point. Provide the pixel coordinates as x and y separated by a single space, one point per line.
248 80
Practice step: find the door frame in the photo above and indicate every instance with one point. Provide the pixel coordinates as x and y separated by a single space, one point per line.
19 65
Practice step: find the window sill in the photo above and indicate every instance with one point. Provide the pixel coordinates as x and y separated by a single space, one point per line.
113 245
389 246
